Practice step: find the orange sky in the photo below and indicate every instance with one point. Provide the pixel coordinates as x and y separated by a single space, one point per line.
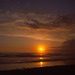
24 32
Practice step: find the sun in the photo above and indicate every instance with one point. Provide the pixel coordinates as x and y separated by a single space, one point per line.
41 49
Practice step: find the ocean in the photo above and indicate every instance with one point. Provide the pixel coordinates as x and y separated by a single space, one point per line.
11 61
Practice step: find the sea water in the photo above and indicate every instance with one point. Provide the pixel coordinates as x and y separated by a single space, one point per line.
11 61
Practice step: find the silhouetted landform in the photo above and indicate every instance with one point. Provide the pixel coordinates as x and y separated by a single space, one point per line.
56 70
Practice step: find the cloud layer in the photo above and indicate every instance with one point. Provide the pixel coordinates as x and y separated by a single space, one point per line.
41 26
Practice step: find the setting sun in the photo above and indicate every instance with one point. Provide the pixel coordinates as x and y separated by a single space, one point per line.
41 49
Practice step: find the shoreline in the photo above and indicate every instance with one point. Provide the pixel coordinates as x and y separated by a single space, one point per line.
64 69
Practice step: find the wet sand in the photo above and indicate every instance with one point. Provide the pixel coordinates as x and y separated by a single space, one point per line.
55 70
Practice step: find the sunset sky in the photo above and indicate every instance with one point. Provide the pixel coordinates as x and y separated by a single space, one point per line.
27 24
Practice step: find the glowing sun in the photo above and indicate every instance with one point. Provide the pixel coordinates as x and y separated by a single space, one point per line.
41 49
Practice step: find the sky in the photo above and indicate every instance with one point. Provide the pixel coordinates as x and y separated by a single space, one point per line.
27 24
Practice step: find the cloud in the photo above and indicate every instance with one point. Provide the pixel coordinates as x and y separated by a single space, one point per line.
70 45
38 26
6 19
68 48
68 51
50 23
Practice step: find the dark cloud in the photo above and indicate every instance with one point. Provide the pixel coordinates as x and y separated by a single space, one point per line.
60 22
68 47
70 44
67 19
6 19
45 26
67 51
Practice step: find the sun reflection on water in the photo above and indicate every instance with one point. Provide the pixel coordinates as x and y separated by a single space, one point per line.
41 58
41 64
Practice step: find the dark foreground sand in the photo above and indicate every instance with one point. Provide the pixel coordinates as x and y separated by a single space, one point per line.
56 70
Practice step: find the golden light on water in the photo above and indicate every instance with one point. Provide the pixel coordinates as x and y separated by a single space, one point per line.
41 58
41 64
41 51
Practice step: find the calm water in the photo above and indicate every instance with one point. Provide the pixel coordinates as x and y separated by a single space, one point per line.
9 61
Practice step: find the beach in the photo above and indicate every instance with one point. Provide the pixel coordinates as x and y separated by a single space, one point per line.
58 70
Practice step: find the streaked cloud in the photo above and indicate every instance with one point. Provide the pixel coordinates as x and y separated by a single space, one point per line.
68 47
41 26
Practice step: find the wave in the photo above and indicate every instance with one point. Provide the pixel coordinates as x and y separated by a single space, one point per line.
16 58
33 61
31 55
25 55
